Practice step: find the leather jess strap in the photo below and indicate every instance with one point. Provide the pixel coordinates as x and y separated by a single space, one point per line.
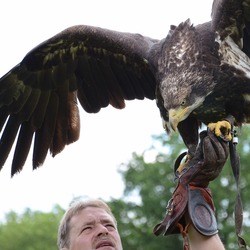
238 210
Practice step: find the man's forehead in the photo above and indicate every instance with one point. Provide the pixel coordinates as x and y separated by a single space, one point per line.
89 214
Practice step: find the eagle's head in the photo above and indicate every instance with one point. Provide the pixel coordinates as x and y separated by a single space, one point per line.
181 95
184 78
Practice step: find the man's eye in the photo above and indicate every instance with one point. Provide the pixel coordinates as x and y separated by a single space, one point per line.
110 225
86 228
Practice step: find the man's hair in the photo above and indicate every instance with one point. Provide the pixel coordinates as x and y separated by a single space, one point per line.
75 207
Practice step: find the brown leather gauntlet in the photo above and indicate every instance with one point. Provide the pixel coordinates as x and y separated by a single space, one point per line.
192 194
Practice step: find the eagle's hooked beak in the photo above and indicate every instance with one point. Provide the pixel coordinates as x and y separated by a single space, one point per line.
178 115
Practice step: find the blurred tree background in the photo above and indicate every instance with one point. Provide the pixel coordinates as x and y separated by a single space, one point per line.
32 230
149 183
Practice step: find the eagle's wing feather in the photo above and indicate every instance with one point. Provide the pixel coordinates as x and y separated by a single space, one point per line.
39 96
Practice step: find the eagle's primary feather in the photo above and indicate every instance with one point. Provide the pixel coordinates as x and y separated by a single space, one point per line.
197 74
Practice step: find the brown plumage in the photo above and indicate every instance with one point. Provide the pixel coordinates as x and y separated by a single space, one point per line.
196 74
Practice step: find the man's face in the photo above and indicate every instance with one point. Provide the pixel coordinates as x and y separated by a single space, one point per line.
93 228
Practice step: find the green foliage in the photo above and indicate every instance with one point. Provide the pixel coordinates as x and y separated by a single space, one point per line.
32 230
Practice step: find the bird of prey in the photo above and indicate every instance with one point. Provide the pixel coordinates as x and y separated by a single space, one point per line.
197 74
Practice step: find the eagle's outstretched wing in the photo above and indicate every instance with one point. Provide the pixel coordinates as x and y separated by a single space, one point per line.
39 96
197 74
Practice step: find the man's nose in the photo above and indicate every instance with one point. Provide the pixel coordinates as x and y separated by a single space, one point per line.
102 230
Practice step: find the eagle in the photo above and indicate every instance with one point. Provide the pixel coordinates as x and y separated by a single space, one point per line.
197 75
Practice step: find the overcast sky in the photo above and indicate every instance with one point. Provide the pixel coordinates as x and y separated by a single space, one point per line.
89 166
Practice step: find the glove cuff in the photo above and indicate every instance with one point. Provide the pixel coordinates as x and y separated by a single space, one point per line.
198 203
201 211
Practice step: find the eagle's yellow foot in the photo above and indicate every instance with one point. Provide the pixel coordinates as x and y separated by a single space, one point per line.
221 129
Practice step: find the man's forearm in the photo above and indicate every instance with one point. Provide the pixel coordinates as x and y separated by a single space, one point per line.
197 241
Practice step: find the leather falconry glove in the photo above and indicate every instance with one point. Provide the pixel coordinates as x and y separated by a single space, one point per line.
192 194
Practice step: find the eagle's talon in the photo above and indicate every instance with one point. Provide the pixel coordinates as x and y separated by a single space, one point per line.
180 168
183 164
222 129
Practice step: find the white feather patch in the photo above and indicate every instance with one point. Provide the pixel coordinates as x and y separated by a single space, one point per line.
233 55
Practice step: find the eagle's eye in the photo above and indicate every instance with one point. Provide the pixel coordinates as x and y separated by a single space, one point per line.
183 103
